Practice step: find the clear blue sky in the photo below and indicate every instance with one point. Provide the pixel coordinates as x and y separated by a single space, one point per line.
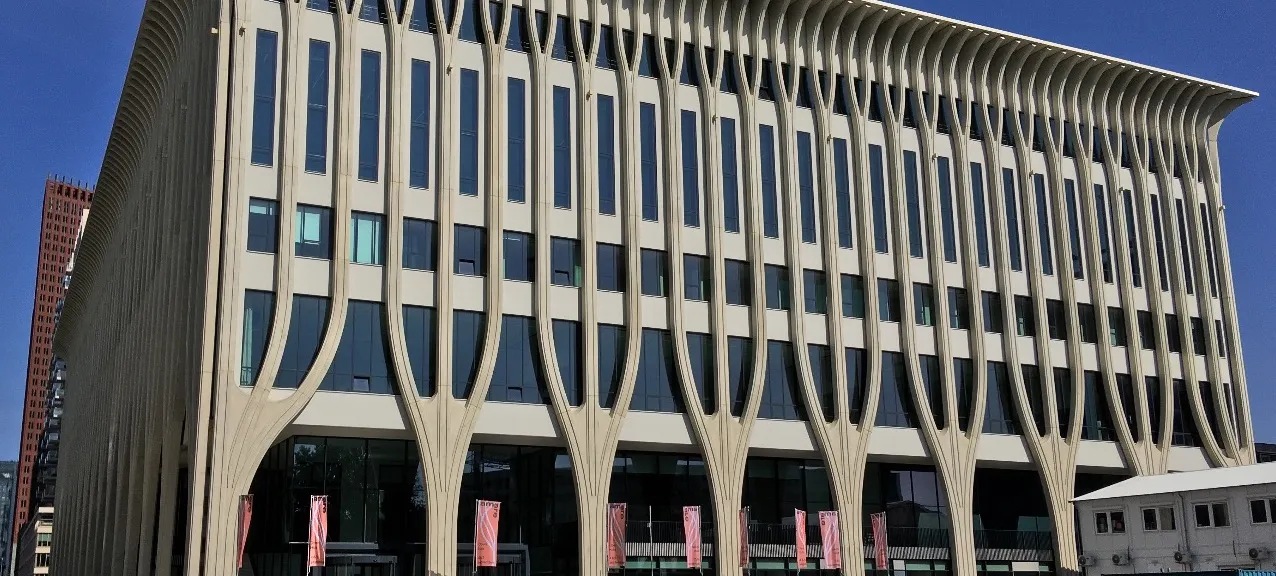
63 63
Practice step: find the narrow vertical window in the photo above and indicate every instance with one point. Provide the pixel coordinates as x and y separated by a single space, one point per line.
317 108
1116 327
1056 320
1043 224
1025 317
981 213
992 312
895 408
1105 246
263 144
958 309
419 131
806 186
739 282
647 135
924 305
816 291
259 311
564 262
730 177
263 225
1132 240
842 190
611 361
696 272
946 209
419 238
852 296
877 180
606 154
777 287
913 198
655 273
567 348
781 395
1160 244
700 355
1209 249
305 333
1074 232
1184 248
1086 321
856 381
690 171
888 300
770 202
471 251
516 156
469 142
1012 218
822 375
369 115
739 372
611 267
1147 330
519 253
562 147
314 232
367 239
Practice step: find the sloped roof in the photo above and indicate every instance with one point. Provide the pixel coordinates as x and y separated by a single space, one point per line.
1187 482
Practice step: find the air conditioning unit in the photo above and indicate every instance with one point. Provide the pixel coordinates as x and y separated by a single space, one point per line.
1120 559
1183 557
1086 560
1259 553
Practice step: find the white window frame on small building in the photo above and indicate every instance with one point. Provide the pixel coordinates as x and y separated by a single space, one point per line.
1212 508
1159 513
1269 509
1109 523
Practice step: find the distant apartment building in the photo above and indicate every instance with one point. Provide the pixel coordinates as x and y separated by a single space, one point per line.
65 206
8 483
1264 452
35 544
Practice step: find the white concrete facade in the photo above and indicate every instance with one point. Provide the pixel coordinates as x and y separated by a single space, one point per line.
153 326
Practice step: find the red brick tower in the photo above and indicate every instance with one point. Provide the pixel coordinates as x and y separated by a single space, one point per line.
65 205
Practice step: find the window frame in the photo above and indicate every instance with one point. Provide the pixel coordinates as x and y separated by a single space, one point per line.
1212 507
1269 507
1159 517
1109 516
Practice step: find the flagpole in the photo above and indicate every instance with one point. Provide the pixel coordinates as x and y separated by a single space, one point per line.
651 542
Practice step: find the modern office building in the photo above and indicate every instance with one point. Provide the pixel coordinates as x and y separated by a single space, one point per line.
64 207
34 544
830 256
1264 452
8 489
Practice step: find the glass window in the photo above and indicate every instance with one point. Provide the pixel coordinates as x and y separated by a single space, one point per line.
263 225
946 209
806 186
856 381
781 395
1160 244
1262 510
958 309
992 312
888 300
420 333
362 361
655 273
263 142
606 47
1116 326
518 375
964 386
1147 330
1198 336
471 251
1074 232
611 359
739 371
516 156
1043 224
1000 416
1025 317
1158 519
564 261
611 267
567 348
1209 250
1212 515
730 176
1132 240
700 355
696 272
770 200
371 11
520 256
369 115
562 145
913 197
1089 330
852 296
305 332
418 244
606 151
877 182
314 232
469 133
690 171
739 282
419 129
1109 522
657 389
563 48
259 312
1012 218
467 346
777 287
1184 251
1222 341
1057 319
896 404
1105 248
1172 333
317 108
1096 420
842 191
822 377
933 381
1184 431
981 213
367 238
815 291
924 304
648 171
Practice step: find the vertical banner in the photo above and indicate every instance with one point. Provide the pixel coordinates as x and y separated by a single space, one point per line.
487 517
691 533
799 538
318 555
245 519
744 537
879 539
616 535
831 539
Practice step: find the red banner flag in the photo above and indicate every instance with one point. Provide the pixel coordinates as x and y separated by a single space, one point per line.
691 533
486 519
879 539
616 535
318 532
245 519
799 527
744 537
831 538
